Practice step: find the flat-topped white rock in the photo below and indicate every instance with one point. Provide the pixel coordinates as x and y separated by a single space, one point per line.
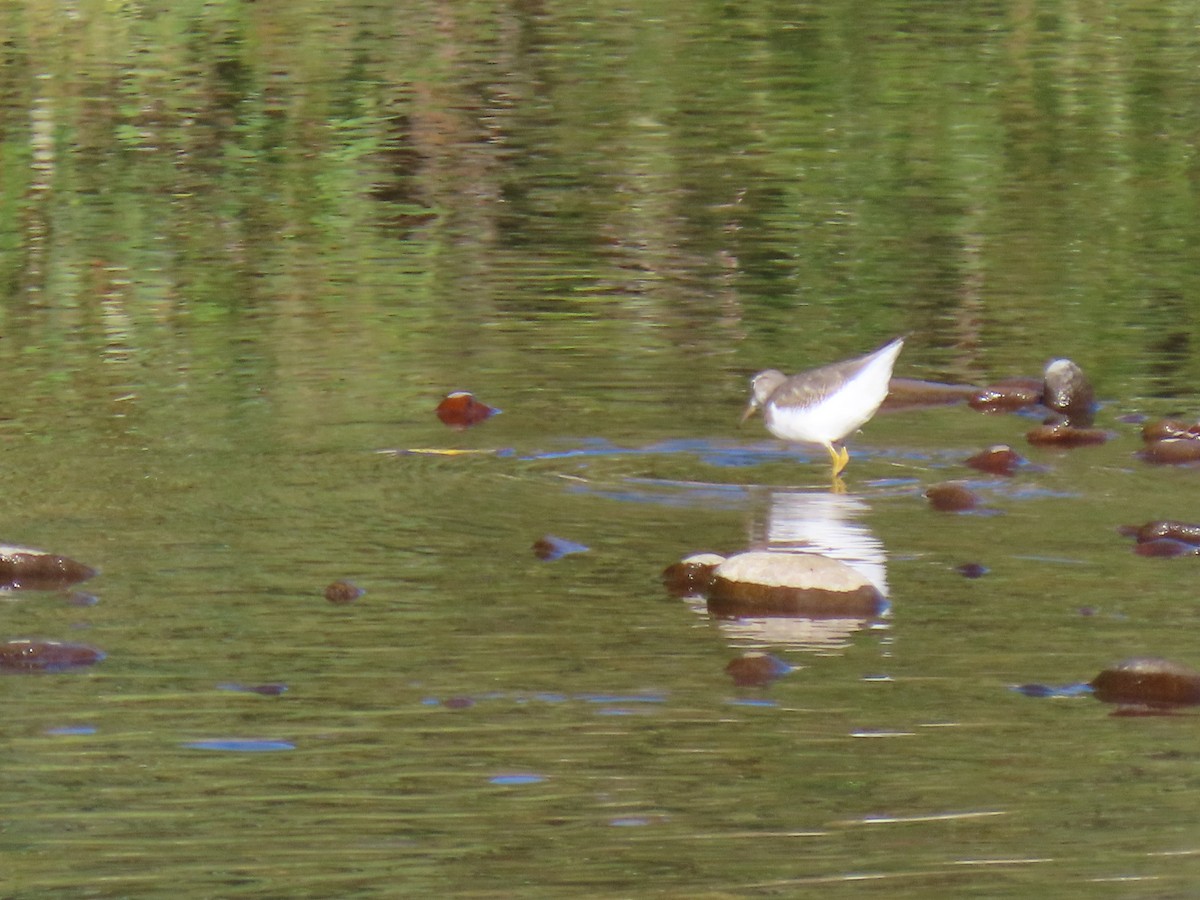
771 583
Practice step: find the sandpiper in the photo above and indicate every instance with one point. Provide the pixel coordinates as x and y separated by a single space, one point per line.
824 405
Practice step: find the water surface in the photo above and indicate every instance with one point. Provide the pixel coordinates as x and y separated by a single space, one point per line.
246 248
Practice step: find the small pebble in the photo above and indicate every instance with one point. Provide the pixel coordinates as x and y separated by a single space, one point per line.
343 592
972 570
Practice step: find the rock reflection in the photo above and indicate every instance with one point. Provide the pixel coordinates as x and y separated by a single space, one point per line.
827 524
818 577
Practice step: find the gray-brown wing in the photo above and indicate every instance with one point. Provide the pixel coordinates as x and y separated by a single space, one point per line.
810 388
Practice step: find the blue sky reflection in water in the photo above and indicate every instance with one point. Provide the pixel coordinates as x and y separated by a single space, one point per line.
245 248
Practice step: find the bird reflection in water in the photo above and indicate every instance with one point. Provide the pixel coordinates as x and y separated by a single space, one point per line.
825 524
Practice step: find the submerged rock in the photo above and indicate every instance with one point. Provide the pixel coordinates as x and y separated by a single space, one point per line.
1064 434
30 655
768 583
1008 395
693 575
341 593
549 548
1172 451
911 393
1067 390
272 689
1148 681
756 669
951 496
25 568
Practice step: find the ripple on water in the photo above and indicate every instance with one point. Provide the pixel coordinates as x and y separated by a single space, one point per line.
239 745
517 779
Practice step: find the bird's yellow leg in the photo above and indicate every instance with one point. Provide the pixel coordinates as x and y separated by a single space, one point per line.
840 457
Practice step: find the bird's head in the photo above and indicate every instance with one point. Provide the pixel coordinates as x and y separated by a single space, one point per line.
762 386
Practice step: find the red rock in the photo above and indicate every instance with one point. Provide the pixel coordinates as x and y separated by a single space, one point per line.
460 410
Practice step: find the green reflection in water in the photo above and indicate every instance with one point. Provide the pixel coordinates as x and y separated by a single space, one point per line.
243 247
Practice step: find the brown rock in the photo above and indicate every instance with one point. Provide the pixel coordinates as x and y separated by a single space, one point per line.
1171 451
951 496
693 575
998 460
343 592
21 567
1008 395
911 393
756 669
1148 681
1169 428
1165 546
1067 390
28 655
1063 434
1166 528
766 583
